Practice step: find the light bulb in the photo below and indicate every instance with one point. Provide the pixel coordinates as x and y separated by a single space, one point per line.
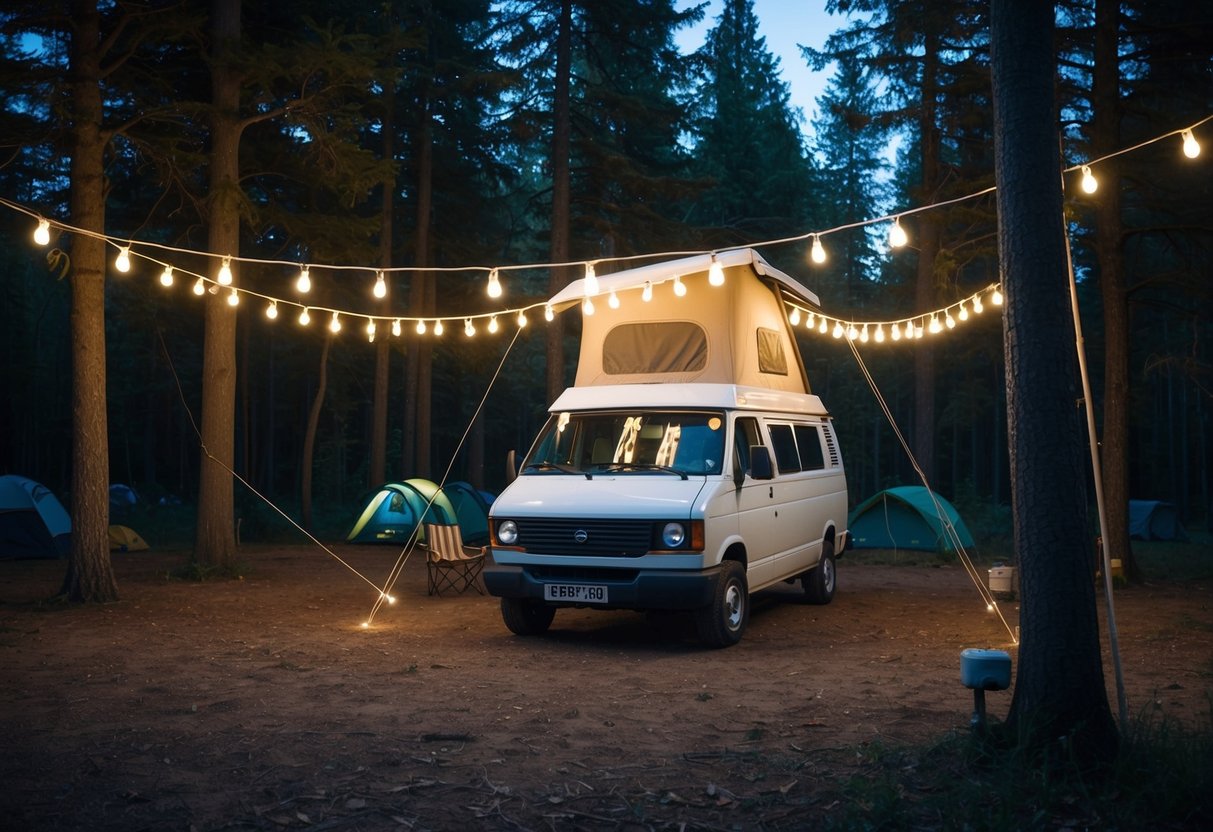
963 314
948 320
42 234
199 287
591 280
823 327
838 330
895 332
468 329
1191 149
977 305
396 328
716 272
863 334
271 311
909 330
335 324
304 283
1089 183
647 294
380 289
438 327
852 332
794 317
123 261
587 306
370 330
494 287
225 272
811 321
233 298
521 319
421 327
548 314
935 327
996 297
613 300
493 324
918 330
680 288
818 253
166 276
879 336
304 317
897 234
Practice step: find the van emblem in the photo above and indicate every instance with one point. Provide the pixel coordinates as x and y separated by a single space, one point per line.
581 536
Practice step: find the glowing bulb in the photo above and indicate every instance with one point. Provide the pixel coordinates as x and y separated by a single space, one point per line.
996 297
548 314
304 284
123 261
494 287
680 288
370 329
468 329
380 289
421 327
810 321
794 318
935 327
304 317
591 280
818 253
838 330
271 311
1191 150
233 298
396 328
335 324
493 324
897 234
852 332
863 335
647 294
42 234
199 287
521 319
948 320
989 608
587 306
963 314
438 327
918 330
613 300
716 273
166 276
822 327
977 305
879 336
895 332
391 599
366 624
909 330
1089 183
225 272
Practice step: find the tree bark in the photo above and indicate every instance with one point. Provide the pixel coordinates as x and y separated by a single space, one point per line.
309 437
378 466
214 541
1059 689
90 574
928 247
559 251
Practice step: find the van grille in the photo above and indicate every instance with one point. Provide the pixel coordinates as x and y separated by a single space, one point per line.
603 538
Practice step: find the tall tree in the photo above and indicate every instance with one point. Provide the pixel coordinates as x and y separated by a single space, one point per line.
1059 689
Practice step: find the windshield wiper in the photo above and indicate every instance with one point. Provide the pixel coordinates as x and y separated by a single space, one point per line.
558 466
644 466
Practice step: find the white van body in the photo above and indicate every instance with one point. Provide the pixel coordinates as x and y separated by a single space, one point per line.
652 488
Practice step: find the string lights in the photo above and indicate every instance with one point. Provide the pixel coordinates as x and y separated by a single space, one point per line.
938 321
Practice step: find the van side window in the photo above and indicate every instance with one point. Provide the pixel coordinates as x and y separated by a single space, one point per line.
745 436
808 441
785 448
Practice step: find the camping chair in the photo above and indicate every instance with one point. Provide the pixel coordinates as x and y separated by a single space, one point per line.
449 564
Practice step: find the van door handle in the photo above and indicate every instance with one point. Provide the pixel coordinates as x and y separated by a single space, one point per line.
771 491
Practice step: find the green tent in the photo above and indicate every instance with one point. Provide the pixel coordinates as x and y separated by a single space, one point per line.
906 518
394 511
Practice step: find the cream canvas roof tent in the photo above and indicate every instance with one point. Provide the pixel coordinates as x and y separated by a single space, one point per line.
734 333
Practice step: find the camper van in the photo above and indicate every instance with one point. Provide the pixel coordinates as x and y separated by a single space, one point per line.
689 465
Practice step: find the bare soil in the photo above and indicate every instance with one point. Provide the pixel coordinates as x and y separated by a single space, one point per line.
263 703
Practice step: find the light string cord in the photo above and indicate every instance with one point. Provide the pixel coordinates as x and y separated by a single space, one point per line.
410 544
381 593
945 520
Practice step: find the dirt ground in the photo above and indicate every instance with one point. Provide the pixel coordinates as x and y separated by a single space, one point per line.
264 704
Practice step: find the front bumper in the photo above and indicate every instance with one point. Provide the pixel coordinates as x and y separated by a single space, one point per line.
645 589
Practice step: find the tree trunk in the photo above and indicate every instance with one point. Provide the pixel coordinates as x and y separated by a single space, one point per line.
309 438
559 251
378 466
90 574
928 248
421 303
1059 688
214 541
1114 459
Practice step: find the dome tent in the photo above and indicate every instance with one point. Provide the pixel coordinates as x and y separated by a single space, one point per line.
394 512
33 523
906 518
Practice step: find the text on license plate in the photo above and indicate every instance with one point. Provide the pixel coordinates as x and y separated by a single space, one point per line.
575 593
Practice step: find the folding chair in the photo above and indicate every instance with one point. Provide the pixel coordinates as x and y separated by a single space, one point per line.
450 564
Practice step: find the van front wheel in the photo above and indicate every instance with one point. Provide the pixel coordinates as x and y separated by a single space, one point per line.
820 582
526 618
721 623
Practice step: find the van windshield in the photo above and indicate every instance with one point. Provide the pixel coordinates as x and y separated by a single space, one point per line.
680 442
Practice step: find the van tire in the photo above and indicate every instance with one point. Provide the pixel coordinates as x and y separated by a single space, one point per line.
722 622
526 618
822 580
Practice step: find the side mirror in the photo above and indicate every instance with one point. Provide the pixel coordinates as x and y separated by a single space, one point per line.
511 466
760 463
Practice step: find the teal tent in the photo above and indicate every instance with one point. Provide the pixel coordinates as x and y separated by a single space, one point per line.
472 509
393 512
906 518
1155 520
33 523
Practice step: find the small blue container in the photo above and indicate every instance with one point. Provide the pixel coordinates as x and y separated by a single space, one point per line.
985 669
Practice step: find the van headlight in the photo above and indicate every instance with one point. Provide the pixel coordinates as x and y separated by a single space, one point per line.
673 535
507 532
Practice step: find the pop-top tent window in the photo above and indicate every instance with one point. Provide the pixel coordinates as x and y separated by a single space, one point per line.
655 347
771 358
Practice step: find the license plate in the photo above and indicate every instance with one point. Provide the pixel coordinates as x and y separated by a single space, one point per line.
575 593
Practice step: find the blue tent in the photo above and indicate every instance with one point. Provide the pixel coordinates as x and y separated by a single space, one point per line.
33 523
472 509
906 518
394 512
1154 520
